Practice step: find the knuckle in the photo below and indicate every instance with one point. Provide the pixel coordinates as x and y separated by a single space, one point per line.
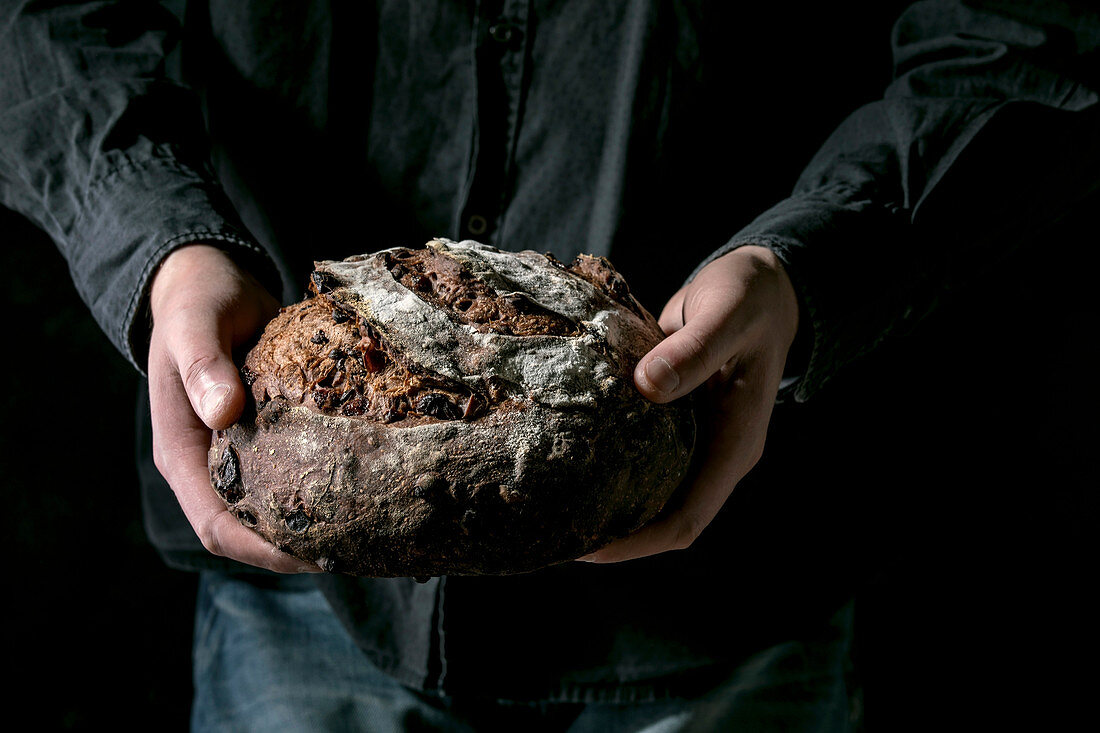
160 460
164 460
209 536
193 368
688 529
696 352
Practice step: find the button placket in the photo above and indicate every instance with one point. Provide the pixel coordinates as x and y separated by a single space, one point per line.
476 224
506 33
501 58
509 33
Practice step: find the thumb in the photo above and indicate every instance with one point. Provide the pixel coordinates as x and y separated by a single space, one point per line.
200 352
690 356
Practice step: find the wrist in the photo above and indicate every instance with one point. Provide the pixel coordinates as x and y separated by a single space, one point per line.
179 266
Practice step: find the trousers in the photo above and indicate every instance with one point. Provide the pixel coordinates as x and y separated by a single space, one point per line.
271 656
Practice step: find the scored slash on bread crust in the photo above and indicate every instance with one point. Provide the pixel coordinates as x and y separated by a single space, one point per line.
448 283
343 367
452 409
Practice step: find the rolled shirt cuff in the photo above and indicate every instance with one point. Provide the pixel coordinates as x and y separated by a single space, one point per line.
132 219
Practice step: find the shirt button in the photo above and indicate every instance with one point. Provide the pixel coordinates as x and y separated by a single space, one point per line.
504 32
476 224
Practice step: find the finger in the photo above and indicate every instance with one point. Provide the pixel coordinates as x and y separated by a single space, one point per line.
200 347
180 445
692 353
732 451
672 315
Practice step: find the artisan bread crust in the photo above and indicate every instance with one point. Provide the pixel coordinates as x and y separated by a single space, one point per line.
572 458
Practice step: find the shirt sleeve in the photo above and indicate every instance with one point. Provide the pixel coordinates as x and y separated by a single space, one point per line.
988 128
109 157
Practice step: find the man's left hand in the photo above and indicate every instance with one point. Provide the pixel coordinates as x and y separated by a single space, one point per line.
729 331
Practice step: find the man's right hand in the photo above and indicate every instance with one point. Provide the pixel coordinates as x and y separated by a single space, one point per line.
203 306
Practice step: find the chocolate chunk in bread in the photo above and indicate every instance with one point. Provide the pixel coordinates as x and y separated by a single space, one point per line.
451 409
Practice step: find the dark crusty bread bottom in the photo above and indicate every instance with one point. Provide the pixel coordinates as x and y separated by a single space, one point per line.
400 504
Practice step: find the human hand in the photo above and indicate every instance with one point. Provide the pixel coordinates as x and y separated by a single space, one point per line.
729 331
203 306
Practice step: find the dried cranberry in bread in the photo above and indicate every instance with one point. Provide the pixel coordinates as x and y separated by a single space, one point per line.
452 409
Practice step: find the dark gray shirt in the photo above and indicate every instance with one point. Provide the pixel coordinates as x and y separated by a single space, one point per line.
659 134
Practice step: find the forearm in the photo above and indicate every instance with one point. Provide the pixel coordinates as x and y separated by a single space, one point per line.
107 156
913 193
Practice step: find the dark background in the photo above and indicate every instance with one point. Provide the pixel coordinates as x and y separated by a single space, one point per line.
98 629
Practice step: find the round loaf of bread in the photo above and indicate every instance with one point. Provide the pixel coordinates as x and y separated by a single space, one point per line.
452 409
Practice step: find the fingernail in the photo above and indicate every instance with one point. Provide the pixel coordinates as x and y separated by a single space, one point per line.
661 375
213 400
